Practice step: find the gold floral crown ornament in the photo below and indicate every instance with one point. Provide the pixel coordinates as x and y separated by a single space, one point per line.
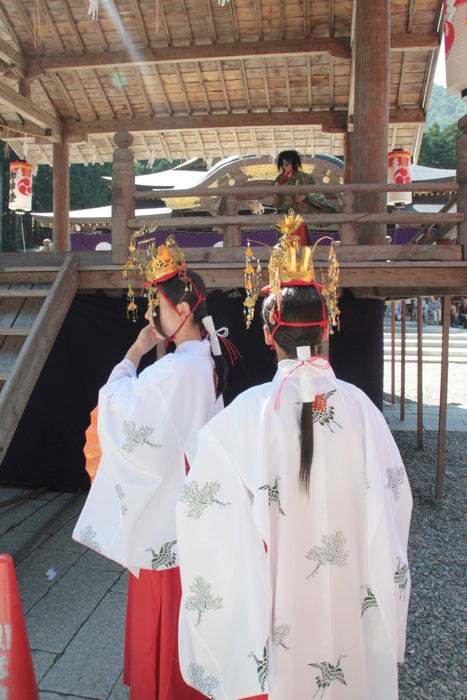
291 266
156 264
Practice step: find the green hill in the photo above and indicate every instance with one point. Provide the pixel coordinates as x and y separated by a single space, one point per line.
444 109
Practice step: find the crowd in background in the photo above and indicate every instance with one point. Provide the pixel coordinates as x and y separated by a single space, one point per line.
432 311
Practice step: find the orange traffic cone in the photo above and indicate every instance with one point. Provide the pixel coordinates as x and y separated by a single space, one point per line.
17 679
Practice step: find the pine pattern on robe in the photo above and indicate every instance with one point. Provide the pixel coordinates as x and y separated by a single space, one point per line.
343 548
147 423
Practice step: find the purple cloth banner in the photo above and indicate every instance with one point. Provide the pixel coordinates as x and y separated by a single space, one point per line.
81 241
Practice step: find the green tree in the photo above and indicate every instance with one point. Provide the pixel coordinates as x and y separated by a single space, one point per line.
87 188
439 147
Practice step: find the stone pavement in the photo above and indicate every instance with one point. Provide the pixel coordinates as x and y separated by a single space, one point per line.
75 621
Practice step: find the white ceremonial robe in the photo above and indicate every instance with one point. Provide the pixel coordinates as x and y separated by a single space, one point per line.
323 613
146 426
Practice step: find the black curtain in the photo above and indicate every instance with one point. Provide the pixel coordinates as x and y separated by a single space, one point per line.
47 448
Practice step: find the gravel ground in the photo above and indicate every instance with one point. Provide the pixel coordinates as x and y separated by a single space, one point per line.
433 669
457 382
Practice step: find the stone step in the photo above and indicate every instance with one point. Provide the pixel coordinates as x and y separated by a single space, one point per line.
459 359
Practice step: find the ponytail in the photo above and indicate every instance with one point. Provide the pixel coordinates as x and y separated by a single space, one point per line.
306 446
222 371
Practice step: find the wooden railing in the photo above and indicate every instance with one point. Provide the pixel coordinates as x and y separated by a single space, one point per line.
124 196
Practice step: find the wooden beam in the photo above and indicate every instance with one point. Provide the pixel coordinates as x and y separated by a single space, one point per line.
371 115
330 121
61 197
248 221
26 107
78 131
11 56
9 26
410 41
25 128
224 86
377 278
411 14
338 46
249 190
65 95
33 354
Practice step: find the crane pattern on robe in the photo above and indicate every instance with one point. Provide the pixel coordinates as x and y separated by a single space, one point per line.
328 674
332 553
395 477
369 600
262 667
206 684
273 494
88 537
202 600
136 436
164 558
279 635
323 413
199 499
121 496
401 578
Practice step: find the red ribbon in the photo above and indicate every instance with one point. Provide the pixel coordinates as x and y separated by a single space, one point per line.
318 361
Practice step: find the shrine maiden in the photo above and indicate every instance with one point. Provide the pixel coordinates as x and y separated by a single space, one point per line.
147 429
293 523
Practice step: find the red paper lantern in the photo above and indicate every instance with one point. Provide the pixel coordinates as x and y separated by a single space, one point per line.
20 197
399 174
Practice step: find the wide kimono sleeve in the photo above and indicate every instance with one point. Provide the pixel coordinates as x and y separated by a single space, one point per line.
226 601
141 467
389 509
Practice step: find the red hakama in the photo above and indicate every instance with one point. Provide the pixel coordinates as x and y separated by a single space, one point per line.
151 668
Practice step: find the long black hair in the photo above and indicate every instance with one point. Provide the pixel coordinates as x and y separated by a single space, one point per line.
291 157
299 304
177 291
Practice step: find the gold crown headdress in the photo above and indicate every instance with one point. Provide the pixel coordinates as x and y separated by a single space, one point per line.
288 266
156 263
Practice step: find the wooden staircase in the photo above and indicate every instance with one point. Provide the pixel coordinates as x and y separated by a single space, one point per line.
31 315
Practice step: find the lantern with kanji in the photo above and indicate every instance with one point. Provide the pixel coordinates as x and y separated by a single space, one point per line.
455 44
20 198
399 174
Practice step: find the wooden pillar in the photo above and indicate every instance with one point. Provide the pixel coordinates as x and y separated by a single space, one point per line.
443 398
393 352
232 233
123 200
371 110
403 328
61 197
462 180
419 373
348 232
348 156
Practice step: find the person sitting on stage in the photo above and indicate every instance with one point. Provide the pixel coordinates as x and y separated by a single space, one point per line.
147 429
293 523
289 165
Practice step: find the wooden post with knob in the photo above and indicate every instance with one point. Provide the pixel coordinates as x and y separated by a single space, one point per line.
61 197
462 181
123 201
